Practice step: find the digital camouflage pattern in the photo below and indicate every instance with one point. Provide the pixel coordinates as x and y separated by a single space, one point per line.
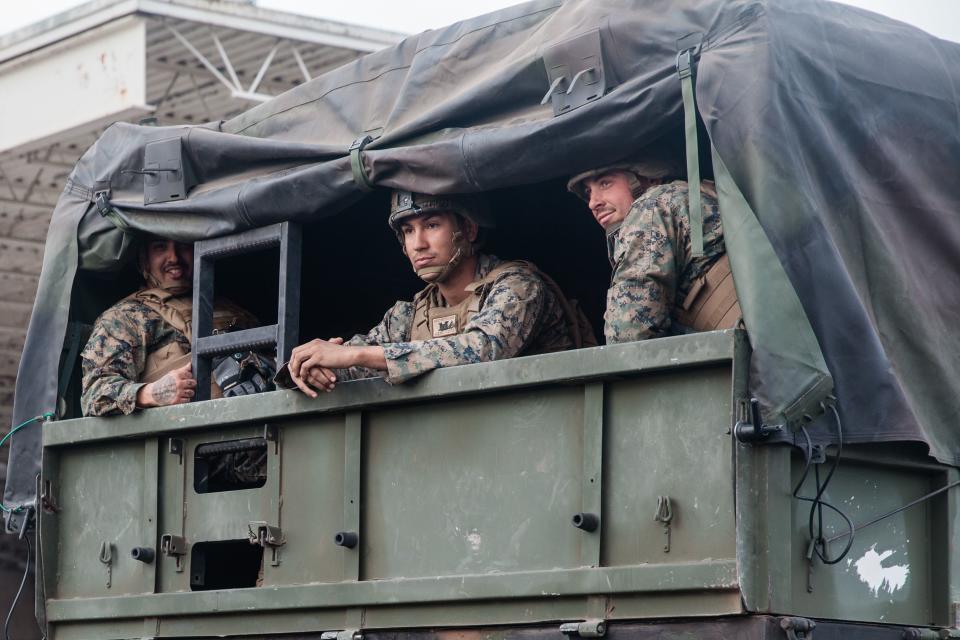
115 356
652 266
519 316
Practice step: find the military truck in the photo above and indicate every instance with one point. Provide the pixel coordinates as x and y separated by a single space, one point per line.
793 478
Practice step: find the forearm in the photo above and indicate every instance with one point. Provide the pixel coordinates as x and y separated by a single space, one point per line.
635 311
145 397
109 395
502 329
408 360
366 357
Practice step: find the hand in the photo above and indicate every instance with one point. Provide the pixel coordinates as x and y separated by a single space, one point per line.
322 377
311 364
176 387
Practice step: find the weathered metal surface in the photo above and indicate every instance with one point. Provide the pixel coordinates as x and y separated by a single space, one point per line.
681 352
886 576
460 490
740 627
531 586
662 447
100 492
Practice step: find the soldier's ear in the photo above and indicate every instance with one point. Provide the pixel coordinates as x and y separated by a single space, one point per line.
470 230
142 263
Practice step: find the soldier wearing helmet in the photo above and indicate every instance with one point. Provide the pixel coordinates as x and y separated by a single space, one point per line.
475 307
138 354
658 287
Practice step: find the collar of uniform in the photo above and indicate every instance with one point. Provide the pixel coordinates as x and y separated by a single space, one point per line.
158 294
486 264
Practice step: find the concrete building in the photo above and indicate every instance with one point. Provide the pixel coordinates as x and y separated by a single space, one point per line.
65 79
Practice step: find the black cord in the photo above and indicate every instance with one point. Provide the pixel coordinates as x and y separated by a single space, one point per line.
912 503
817 503
16 598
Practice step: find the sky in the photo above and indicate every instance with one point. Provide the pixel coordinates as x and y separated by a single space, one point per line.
939 17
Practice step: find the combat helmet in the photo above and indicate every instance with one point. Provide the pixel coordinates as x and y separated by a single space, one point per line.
408 204
653 168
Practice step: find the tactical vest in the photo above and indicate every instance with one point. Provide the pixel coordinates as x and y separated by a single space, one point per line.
432 320
712 301
177 312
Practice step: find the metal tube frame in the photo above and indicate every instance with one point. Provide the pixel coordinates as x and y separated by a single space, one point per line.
283 335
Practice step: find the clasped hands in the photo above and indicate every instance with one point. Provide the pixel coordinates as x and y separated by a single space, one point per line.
311 364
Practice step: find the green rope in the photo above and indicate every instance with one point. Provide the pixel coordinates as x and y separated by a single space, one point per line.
44 416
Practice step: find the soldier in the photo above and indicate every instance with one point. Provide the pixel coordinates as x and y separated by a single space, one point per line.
138 354
658 287
475 308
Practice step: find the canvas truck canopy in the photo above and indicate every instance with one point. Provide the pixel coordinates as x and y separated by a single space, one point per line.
833 133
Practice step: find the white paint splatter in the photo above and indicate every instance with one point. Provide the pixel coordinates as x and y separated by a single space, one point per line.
871 571
474 539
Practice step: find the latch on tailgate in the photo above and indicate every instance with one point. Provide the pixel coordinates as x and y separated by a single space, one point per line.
268 537
174 547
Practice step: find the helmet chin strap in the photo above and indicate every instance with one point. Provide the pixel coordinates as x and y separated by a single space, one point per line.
437 274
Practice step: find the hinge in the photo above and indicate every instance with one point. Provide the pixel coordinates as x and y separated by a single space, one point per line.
47 500
593 628
265 535
174 547
798 628
345 634
171 545
920 633
271 433
750 428
175 447
268 537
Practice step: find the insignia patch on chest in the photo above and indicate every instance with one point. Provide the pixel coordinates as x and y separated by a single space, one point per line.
445 326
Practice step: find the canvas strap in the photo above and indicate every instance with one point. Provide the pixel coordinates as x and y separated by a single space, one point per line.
356 163
686 67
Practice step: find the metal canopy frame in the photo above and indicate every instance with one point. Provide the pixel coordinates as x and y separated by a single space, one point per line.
283 335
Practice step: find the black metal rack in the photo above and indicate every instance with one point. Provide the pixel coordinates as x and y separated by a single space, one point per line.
283 335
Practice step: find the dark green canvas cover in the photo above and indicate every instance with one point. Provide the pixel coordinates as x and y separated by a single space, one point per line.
836 135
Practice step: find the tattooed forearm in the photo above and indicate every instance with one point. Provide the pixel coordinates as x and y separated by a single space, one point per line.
165 390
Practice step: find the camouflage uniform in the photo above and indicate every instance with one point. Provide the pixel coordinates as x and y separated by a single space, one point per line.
652 266
519 314
116 353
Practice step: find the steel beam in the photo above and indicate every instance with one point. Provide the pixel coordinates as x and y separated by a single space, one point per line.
663 578
32 206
